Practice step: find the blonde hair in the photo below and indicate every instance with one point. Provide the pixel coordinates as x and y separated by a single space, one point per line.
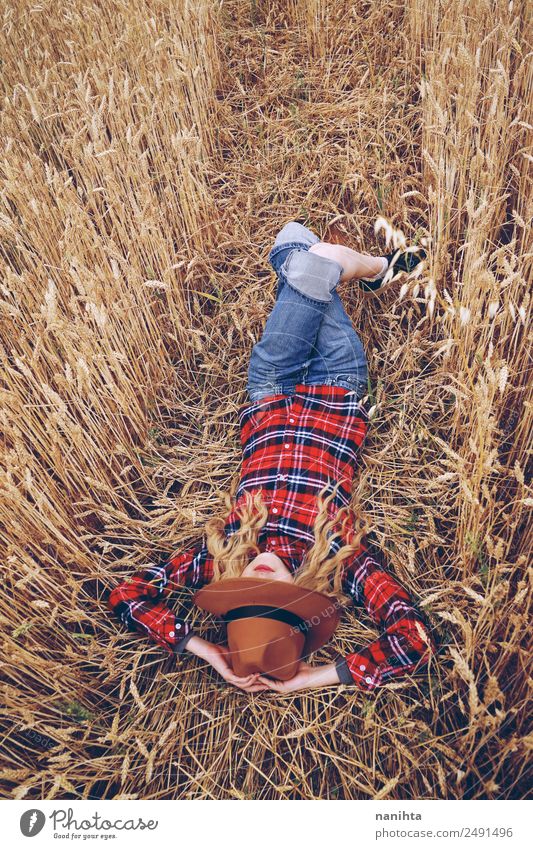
319 571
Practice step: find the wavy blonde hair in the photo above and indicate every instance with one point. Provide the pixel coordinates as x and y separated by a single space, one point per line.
319 571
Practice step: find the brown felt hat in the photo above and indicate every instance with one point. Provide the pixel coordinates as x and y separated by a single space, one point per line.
271 625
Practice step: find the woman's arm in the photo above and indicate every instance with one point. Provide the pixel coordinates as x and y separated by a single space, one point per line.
404 646
406 643
307 677
139 601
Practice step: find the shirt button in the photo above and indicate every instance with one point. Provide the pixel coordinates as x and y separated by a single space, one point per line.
368 680
291 421
171 633
274 509
283 477
287 445
362 667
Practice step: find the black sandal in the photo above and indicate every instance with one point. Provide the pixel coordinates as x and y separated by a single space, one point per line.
399 262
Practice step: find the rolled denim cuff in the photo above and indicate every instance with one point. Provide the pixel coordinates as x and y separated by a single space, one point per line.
179 648
312 275
343 672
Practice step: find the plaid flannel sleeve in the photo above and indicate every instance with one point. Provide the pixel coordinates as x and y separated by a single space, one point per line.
406 642
139 601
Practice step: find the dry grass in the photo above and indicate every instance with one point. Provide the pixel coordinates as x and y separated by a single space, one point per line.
149 153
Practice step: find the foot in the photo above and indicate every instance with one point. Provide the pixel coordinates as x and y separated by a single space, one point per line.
398 261
354 264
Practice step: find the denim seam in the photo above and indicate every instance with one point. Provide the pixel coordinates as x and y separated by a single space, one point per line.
277 389
287 245
333 381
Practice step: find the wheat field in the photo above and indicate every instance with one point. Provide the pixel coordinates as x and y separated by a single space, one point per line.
149 152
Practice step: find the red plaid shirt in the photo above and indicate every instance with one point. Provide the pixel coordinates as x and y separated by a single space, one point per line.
293 445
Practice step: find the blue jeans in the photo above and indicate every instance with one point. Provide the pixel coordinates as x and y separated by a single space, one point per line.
308 338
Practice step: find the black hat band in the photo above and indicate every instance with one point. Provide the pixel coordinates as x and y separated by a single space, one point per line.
255 610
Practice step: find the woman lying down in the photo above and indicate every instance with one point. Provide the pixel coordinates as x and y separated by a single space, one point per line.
289 554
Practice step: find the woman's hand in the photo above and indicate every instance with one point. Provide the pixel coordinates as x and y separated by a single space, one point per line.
306 677
219 657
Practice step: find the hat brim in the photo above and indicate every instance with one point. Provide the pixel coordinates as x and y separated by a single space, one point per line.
322 613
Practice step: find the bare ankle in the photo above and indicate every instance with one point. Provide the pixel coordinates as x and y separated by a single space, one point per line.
354 264
330 251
